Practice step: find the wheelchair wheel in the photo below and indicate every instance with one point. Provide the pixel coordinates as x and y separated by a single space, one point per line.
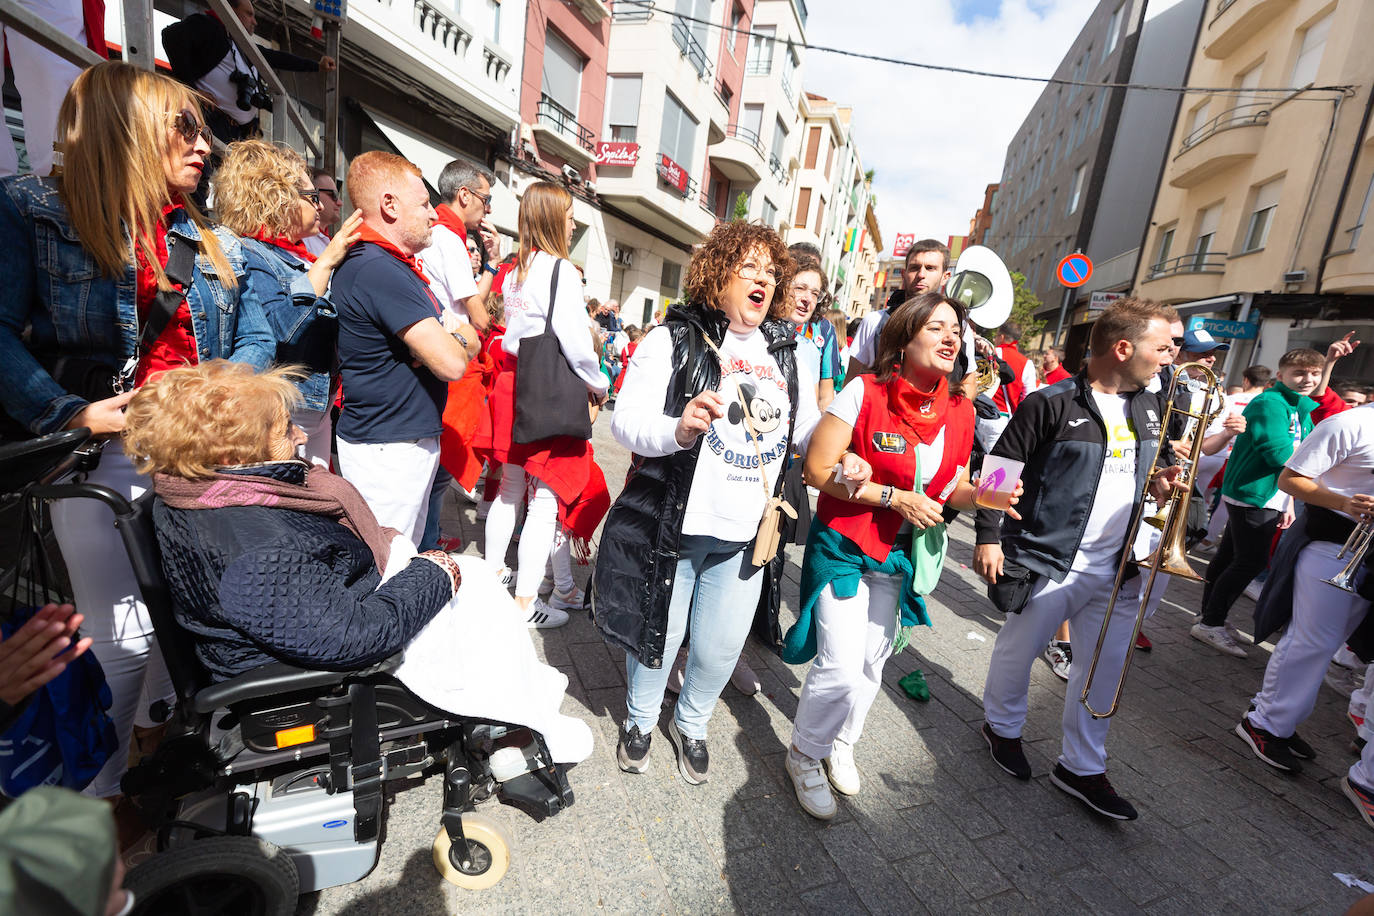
241 875
489 846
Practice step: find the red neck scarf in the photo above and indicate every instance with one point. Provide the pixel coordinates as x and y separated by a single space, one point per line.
367 234
285 244
449 220
921 413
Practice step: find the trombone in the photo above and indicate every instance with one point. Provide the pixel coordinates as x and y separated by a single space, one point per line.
1171 556
1357 548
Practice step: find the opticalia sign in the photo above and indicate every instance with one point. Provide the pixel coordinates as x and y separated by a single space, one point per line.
626 154
903 243
672 173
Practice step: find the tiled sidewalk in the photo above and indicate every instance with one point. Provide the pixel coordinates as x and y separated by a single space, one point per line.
938 827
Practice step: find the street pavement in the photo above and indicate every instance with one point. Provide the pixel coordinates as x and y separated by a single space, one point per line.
938 827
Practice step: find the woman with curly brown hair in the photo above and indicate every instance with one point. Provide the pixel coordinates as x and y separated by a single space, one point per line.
710 411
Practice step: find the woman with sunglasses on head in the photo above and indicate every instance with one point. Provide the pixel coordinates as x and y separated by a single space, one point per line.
92 262
264 194
714 401
859 573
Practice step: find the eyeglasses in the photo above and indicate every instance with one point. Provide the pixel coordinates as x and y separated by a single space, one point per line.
313 195
1178 341
751 271
332 195
484 198
188 125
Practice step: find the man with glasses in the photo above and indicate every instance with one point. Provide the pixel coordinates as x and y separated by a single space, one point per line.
466 191
331 204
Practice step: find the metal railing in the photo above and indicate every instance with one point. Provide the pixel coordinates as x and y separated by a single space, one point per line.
719 89
778 169
754 66
559 119
1240 116
1195 262
748 135
691 48
632 10
787 87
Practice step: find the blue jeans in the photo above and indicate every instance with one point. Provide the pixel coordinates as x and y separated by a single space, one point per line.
716 588
430 541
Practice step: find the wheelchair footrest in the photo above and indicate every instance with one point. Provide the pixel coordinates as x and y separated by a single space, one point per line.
542 793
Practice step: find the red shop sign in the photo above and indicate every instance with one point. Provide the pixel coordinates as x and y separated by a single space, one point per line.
673 173
617 153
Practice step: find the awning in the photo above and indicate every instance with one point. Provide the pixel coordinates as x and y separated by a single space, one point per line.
431 156
1214 304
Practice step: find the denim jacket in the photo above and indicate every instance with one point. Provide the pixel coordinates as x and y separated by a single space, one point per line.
305 325
55 299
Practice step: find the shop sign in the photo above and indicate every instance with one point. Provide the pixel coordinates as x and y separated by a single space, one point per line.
1221 327
617 153
673 173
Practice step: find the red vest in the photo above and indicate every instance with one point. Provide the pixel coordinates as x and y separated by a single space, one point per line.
876 439
1017 389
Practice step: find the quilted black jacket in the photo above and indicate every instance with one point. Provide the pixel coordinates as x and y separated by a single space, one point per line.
255 584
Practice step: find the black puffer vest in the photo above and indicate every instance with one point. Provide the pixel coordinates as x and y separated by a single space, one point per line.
638 554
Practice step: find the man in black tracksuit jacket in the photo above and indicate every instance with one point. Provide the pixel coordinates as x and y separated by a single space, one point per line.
1088 444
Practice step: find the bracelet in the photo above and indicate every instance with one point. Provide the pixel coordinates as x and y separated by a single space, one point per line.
462 341
489 269
886 498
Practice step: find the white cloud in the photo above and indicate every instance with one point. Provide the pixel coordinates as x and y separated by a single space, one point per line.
936 140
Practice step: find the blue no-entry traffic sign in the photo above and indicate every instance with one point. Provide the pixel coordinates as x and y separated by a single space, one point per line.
1075 269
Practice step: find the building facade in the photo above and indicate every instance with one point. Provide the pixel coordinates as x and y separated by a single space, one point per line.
1260 214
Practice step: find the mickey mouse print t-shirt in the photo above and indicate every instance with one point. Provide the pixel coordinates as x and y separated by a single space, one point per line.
727 496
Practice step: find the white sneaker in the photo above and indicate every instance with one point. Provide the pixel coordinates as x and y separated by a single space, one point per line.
543 617
567 601
470 495
813 792
1252 591
744 678
1217 638
507 577
844 776
1239 637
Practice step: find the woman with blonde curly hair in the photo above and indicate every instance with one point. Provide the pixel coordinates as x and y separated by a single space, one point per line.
711 412
270 558
263 192
109 275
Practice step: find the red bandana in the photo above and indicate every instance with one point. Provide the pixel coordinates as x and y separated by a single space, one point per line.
367 234
921 413
285 244
449 220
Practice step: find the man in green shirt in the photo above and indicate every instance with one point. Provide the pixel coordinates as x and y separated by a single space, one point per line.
1275 422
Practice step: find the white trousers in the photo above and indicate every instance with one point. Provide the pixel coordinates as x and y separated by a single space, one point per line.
540 536
117 621
1362 770
318 427
42 79
853 641
1323 619
1081 599
1360 702
395 478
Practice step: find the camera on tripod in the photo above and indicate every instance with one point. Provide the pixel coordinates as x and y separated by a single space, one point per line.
251 91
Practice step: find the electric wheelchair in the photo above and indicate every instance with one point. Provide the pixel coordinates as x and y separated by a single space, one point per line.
270 784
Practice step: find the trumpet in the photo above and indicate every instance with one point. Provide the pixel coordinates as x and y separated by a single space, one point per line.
1357 548
1171 556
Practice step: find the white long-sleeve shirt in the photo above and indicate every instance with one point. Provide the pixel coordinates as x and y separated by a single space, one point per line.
726 499
527 309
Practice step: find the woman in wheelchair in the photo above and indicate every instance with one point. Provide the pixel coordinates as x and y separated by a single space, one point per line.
272 559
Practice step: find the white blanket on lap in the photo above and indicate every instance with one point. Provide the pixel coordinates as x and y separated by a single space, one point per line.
475 658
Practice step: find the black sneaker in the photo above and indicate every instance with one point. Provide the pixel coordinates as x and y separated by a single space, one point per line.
1301 748
1007 753
1269 747
692 759
632 752
1095 792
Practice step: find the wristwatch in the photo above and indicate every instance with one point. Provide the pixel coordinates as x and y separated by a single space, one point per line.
489 269
462 341
886 497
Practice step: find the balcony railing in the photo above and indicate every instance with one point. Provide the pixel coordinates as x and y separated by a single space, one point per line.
632 10
442 27
1195 262
691 48
787 86
757 67
555 117
1240 116
778 169
747 134
688 192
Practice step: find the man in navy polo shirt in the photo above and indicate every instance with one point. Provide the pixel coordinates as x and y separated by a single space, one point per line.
395 356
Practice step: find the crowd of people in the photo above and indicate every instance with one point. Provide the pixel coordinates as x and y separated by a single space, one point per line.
302 389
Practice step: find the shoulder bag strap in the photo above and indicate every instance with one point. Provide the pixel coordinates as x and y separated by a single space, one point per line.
180 269
748 418
553 294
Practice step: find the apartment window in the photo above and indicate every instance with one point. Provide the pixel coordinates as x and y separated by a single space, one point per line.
1164 247
1076 189
1113 29
1196 120
622 115
813 147
670 280
1073 130
1310 52
829 159
494 15
820 217
1262 216
1355 230
562 81
1097 112
761 43
770 213
679 135
1206 235
803 208
700 11
1247 83
751 125
779 140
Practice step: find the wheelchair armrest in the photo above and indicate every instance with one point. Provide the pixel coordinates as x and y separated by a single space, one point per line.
280 678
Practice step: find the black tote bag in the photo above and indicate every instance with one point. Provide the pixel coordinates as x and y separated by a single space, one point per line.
550 398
